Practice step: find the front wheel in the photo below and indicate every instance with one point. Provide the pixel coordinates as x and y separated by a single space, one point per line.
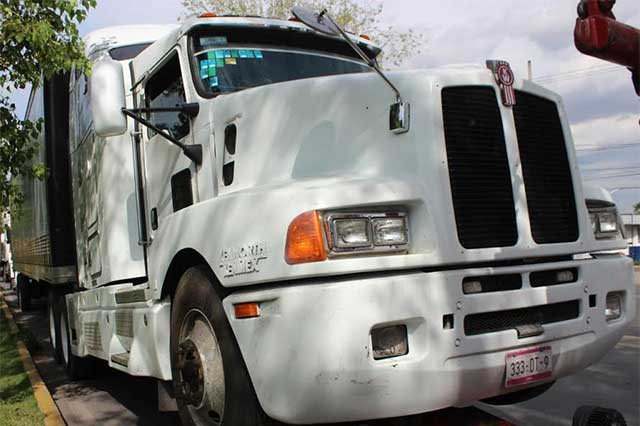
53 310
210 380
77 367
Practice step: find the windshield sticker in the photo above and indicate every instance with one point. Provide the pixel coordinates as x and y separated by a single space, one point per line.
234 53
220 62
243 53
212 70
204 69
219 54
257 54
213 81
213 41
250 54
230 61
211 55
227 53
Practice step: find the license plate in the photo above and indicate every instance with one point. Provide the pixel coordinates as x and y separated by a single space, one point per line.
528 366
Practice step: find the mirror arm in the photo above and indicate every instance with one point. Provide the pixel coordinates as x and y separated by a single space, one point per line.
191 109
193 152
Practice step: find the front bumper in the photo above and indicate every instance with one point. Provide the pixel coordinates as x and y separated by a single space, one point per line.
309 353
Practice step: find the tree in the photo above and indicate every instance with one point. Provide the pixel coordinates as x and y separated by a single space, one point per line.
357 16
37 38
636 207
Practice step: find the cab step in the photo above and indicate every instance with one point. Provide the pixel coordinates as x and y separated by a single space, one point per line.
121 359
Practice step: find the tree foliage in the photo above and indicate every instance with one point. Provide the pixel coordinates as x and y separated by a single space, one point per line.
636 207
37 37
357 16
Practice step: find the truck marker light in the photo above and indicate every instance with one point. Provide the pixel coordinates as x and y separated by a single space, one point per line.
304 240
365 36
472 287
246 310
565 276
389 342
208 15
613 309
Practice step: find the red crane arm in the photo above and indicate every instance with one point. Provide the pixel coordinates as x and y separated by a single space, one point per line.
598 34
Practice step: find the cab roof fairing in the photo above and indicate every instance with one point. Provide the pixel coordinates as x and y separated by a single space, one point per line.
151 56
98 42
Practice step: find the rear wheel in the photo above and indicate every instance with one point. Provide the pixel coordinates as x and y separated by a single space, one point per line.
77 367
210 380
53 308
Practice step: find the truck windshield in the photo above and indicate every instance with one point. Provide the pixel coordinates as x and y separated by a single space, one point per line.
231 69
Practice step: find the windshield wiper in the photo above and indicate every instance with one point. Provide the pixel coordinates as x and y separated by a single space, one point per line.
399 112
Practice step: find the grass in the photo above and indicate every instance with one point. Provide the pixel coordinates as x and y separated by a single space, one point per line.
17 404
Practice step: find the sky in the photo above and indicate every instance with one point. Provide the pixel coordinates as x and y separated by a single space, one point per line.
601 104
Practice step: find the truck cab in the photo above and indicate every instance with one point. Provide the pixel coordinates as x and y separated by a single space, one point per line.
251 232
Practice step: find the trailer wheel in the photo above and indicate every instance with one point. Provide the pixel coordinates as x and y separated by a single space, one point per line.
78 368
53 310
210 380
24 293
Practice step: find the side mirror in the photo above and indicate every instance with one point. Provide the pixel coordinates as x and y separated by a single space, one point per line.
108 98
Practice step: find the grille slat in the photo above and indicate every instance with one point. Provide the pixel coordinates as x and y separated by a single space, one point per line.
545 166
478 167
491 322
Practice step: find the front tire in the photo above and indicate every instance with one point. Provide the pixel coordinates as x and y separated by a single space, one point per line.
53 311
78 368
210 380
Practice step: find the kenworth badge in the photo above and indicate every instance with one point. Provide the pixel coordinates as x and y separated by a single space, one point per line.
505 78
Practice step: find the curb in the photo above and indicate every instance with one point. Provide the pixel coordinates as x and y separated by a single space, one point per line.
47 406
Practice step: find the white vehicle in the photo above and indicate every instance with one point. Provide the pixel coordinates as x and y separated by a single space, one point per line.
271 229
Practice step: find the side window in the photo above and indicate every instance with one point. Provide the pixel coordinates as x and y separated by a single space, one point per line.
166 89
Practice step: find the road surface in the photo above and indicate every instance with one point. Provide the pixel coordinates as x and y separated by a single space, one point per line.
114 398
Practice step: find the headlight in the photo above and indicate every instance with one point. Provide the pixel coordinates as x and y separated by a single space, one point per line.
391 231
366 231
608 221
604 218
351 233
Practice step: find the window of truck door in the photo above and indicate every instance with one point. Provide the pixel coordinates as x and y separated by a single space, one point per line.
166 89
162 160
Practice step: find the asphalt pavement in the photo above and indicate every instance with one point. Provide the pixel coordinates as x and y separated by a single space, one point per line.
113 398
614 382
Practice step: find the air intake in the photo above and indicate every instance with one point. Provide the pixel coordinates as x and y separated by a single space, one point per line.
545 165
478 167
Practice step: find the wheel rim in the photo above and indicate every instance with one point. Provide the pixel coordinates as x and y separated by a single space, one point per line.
199 369
52 327
64 338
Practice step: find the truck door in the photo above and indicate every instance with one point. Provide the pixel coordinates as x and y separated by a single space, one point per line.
85 170
169 174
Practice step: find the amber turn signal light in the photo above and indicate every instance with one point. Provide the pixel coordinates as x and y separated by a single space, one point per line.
246 310
304 240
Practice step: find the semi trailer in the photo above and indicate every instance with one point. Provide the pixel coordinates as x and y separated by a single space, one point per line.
251 212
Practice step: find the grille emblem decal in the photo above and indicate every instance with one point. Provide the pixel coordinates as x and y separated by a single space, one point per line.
505 78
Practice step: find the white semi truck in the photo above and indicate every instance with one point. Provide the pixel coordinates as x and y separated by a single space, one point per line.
273 228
